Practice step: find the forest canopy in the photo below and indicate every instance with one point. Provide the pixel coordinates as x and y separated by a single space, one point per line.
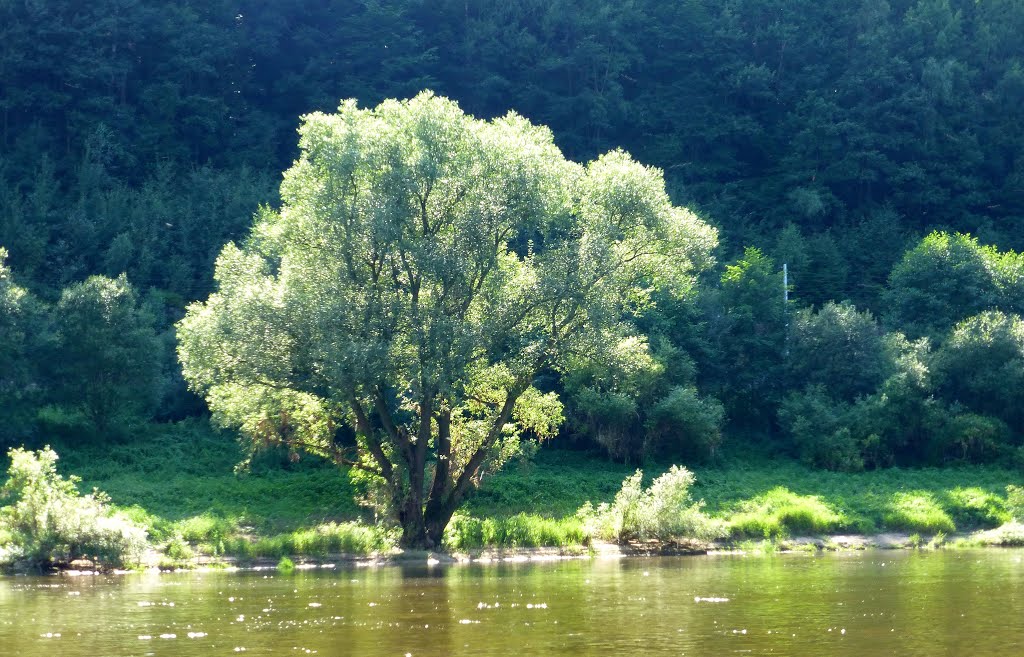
872 147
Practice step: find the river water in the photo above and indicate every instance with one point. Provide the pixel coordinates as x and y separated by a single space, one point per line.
865 604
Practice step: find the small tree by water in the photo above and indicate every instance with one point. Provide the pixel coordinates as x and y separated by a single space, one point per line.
665 511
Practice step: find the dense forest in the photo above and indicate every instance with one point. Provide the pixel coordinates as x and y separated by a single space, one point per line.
872 147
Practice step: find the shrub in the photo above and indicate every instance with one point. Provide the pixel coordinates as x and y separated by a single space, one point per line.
665 511
981 365
610 418
685 424
50 522
968 436
819 428
178 550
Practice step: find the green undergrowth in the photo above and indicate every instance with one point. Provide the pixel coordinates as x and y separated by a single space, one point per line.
179 482
350 538
184 470
555 483
812 502
522 530
780 512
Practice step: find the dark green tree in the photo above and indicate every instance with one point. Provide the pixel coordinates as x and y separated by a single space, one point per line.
837 348
106 358
981 366
944 279
23 334
750 337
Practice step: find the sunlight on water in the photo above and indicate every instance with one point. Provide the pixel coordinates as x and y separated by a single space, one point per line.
873 603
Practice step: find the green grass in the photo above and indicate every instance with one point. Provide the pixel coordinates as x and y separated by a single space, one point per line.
770 498
179 482
925 500
976 507
186 469
780 512
349 538
917 511
520 530
555 484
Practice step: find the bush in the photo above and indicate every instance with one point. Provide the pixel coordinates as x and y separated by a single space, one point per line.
49 522
665 511
610 418
819 428
178 550
981 365
968 437
684 424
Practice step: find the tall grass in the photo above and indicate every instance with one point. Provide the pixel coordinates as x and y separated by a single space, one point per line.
346 538
521 530
781 512
917 511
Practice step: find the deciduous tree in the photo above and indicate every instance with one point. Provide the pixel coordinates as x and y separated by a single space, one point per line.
423 267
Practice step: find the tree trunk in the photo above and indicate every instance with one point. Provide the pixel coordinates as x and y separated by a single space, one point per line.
423 529
414 529
436 521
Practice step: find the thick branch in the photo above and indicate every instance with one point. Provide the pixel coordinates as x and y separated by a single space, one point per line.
422 437
397 436
443 467
337 455
364 427
473 466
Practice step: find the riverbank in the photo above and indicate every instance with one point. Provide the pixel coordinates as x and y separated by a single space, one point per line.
181 486
1010 535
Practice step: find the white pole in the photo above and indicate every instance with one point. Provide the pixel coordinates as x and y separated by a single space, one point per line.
785 310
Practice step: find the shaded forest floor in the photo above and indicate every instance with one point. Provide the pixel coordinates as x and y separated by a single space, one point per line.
182 484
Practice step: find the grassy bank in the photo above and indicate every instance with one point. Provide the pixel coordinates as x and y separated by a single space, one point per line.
182 486
776 498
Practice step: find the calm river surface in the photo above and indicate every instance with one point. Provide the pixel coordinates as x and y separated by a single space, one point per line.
865 604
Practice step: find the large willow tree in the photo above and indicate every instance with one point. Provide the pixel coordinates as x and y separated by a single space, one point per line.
423 268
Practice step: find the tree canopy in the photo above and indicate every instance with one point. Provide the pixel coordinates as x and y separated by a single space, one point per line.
423 268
